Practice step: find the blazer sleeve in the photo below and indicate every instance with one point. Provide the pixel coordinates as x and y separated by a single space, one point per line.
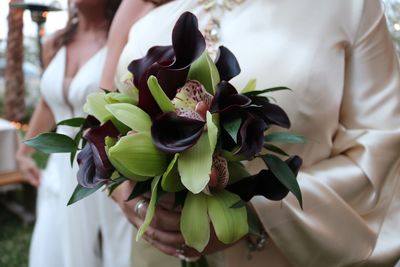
346 197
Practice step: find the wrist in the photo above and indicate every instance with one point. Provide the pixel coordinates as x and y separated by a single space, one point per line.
23 152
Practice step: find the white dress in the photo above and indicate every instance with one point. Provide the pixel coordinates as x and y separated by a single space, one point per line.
338 58
68 236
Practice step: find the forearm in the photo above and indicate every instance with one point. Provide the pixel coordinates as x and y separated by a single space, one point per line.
42 121
128 13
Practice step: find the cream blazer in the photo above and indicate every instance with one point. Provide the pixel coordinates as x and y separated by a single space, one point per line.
338 58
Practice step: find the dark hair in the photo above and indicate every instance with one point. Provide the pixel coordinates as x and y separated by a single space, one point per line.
66 35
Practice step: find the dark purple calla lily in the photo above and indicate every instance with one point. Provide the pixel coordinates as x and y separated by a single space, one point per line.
264 183
170 64
251 136
173 134
227 99
256 113
94 166
227 64
270 113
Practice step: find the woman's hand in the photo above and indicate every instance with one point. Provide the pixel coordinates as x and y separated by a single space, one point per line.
29 169
164 230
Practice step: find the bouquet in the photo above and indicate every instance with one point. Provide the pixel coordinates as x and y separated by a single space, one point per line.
178 126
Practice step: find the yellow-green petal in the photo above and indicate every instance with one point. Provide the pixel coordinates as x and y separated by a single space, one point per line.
135 155
159 95
96 106
212 131
205 71
250 86
132 116
116 97
230 224
194 165
150 209
195 225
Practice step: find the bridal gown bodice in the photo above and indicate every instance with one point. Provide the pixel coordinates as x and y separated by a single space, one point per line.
67 102
338 58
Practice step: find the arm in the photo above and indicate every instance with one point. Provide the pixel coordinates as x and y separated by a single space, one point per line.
42 121
128 13
346 196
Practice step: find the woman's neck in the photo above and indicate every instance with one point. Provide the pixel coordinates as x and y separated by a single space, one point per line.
92 21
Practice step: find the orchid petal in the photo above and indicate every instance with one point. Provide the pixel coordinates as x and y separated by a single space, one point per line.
131 116
194 165
126 86
159 95
230 224
135 155
250 86
114 97
150 209
212 131
195 225
205 71
95 106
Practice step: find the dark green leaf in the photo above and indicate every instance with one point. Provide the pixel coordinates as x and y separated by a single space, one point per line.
81 192
269 90
52 143
78 137
238 205
74 122
140 189
284 174
232 128
275 149
285 137
115 183
72 157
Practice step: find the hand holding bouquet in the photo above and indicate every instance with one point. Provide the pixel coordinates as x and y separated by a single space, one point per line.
180 127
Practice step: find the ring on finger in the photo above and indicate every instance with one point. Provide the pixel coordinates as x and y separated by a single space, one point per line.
139 206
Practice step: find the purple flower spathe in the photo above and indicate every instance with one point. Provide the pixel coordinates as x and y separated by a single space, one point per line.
94 166
169 64
265 183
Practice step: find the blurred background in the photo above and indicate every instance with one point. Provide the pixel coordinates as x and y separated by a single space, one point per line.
22 28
